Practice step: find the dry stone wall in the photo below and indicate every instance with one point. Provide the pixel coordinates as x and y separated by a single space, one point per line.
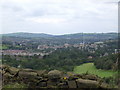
49 79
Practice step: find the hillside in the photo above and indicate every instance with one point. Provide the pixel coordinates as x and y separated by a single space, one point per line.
30 35
31 41
109 62
76 35
91 69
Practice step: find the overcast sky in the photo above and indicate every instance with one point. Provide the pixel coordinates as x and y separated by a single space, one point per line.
58 16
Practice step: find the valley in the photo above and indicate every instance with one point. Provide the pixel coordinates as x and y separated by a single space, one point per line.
89 53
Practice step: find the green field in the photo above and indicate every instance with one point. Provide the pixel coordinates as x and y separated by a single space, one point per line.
90 68
3 47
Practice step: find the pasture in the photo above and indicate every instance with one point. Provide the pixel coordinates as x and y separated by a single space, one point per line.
91 69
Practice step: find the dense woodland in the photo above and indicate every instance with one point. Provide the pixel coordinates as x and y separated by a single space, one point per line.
107 62
61 59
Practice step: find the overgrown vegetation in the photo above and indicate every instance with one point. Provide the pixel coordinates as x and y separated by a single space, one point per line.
15 86
107 62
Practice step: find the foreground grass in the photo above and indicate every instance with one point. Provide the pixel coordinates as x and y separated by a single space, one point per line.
15 86
90 68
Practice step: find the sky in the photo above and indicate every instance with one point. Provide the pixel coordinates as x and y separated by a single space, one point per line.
58 16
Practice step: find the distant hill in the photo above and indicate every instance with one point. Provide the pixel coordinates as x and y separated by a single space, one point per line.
22 34
66 36
90 35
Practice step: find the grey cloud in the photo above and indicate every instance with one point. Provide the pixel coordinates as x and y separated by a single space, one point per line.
81 15
111 2
36 13
12 7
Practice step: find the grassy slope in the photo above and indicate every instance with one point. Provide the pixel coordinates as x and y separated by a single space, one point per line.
3 47
90 68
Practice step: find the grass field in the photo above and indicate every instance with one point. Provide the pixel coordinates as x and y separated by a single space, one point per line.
90 68
3 47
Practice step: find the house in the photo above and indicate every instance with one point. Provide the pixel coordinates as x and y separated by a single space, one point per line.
90 57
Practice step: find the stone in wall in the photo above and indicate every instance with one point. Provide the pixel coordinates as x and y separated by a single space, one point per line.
81 83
